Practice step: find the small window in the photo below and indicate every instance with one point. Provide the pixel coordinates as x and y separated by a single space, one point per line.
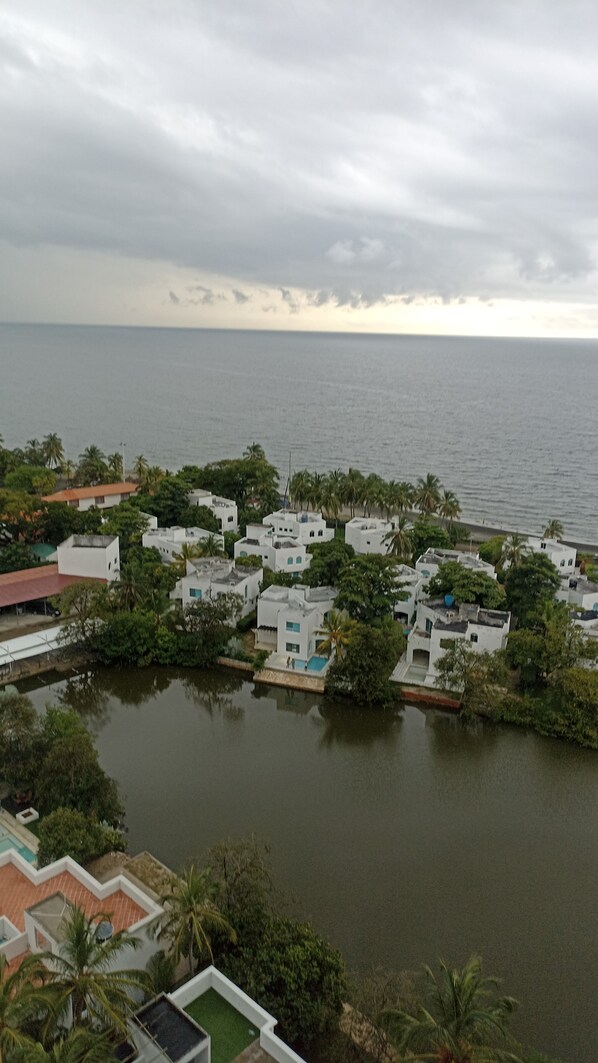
570 561
542 546
195 592
100 500
293 647
298 560
311 534
74 503
292 626
245 590
109 565
289 561
473 638
429 626
243 553
563 563
230 520
425 572
320 532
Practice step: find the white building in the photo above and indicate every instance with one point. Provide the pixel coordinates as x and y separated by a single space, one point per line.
280 554
90 557
289 619
103 496
368 535
429 562
308 527
170 540
580 593
412 585
437 626
212 576
224 509
562 556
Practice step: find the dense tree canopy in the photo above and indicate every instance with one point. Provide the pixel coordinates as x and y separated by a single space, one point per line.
467 585
368 588
530 585
363 670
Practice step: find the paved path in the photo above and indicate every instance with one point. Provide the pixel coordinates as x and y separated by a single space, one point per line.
293 680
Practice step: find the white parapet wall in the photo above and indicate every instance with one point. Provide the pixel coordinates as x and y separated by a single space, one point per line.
211 978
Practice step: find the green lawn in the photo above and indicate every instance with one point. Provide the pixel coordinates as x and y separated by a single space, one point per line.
230 1031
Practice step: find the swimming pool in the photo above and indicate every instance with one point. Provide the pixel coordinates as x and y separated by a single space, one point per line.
315 664
8 841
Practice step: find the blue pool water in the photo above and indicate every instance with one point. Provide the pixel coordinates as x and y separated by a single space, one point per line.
8 841
315 664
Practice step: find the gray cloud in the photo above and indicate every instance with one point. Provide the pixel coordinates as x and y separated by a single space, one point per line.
433 150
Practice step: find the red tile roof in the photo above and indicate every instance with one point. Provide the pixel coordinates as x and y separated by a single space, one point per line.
73 494
29 584
17 894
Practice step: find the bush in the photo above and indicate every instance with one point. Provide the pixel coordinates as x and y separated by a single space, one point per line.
127 638
247 622
68 832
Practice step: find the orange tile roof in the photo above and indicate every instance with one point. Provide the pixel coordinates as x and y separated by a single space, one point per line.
73 494
17 894
29 584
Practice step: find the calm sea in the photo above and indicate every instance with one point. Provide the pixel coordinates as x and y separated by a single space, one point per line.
509 425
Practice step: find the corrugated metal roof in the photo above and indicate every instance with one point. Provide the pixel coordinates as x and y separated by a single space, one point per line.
30 584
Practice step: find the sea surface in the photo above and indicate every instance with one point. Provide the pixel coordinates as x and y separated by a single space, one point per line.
508 424
404 836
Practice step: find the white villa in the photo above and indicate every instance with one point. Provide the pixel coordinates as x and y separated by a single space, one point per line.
367 535
170 540
437 625
103 496
284 554
429 562
580 593
562 556
212 576
224 509
306 526
90 557
412 585
289 619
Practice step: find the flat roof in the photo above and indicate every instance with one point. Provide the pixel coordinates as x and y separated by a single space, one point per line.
174 1032
30 584
73 494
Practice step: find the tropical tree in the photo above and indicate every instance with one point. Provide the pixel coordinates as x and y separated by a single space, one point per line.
427 493
460 1018
449 507
92 466
336 632
82 971
68 469
77 1046
554 530
403 496
254 452
188 552
514 549
140 466
373 494
299 488
399 540
115 466
152 478
191 916
353 488
24 996
330 499
53 450
211 546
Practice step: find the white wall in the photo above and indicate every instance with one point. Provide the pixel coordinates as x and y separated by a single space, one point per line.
308 527
101 561
367 536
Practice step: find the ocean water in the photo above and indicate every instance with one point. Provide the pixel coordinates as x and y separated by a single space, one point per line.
508 424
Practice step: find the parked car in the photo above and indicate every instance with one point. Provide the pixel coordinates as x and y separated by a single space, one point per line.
43 606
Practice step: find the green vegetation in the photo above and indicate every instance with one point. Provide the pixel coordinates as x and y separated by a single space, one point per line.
465 585
363 671
230 1031
68 832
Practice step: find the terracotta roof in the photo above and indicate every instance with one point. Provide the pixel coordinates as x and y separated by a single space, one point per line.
30 584
73 494
17 894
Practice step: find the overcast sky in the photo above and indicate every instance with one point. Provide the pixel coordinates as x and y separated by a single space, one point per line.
429 166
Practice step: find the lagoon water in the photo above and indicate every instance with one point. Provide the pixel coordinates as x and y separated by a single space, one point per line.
510 425
404 836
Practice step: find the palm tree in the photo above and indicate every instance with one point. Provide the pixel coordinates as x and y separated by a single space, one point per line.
254 452
373 493
140 467
68 469
514 550
336 632
24 996
353 489
316 489
427 494
191 916
210 546
554 530
449 507
402 495
400 542
92 465
115 466
53 450
299 488
77 1046
152 478
329 499
129 590
460 1018
83 976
